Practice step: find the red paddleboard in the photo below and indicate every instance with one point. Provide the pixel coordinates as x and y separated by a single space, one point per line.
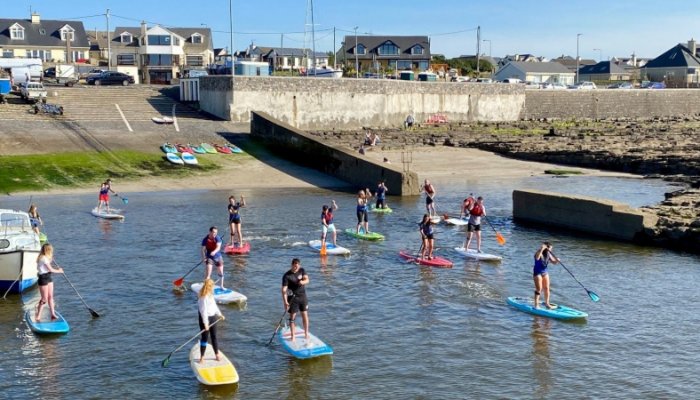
245 249
435 262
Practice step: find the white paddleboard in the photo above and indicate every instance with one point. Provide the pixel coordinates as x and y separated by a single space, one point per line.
174 158
472 253
106 215
189 159
330 248
435 219
300 347
210 371
457 221
221 296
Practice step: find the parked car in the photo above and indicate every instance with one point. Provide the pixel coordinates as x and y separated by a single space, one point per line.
511 80
92 73
620 85
32 91
111 78
195 73
652 85
484 80
584 86
461 79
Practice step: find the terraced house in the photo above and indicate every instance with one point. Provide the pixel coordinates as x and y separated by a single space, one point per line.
382 53
48 40
158 54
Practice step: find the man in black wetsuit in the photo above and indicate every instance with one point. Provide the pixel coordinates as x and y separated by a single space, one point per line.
294 296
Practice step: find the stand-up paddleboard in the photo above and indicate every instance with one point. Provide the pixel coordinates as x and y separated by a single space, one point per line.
302 348
174 158
435 262
197 149
224 296
385 210
43 238
46 325
168 148
112 214
472 253
189 158
330 248
234 149
233 249
559 312
435 219
364 236
210 371
208 148
456 221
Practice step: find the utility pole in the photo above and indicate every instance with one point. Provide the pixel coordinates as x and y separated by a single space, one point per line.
478 48
578 35
233 64
313 36
109 44
357 63
335 53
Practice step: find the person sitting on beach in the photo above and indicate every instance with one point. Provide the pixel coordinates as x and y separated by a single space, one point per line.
409 121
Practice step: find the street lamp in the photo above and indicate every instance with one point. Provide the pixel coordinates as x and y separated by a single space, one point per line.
578 35
600 54
233 64
488 40
357 63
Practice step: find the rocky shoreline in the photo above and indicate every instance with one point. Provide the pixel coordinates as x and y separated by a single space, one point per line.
660 148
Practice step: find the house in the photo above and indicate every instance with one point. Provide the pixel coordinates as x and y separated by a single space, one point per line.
570 62
98 47
677 67
397 53
551 72
603 71
285 58
48 40
158 54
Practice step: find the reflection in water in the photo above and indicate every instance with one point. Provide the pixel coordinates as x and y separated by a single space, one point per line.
541 360
218 391
301 375
105 227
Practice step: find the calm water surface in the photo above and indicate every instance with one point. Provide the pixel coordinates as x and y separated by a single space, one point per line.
398 330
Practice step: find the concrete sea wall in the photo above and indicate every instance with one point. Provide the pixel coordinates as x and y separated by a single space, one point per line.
580 213
305 149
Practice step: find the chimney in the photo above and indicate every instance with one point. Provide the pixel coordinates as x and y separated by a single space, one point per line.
36 19
144 28
692 46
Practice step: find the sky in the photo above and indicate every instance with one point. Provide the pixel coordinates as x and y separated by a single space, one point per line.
549 28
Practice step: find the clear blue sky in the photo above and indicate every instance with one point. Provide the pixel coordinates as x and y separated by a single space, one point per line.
543 27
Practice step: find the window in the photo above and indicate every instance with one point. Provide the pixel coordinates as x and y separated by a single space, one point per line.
423 65
67 33
159 40
44 55
388 48
160 59
126 59
361 49
176 41
404 64
17 32
197 38
195 61
127 37
417 49
78 55
8 54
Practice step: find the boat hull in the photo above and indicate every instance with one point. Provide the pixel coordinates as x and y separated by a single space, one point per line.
14 262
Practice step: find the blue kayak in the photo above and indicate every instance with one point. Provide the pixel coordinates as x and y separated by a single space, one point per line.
559 312
47 326
302 348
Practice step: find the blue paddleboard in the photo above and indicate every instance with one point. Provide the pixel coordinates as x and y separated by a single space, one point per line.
559 312
46 326
302 348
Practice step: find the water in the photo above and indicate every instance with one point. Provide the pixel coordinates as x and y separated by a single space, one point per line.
398 330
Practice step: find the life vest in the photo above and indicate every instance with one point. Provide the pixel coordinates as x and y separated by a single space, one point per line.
477 210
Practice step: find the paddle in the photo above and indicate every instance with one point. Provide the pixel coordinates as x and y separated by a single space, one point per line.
166 361
94 314
13 284
591 294
124 199
501 240
281 318
178 282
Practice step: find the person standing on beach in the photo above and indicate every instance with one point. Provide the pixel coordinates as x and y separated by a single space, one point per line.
362 204
474 225
105 188
34 218
381 195
327 223
427 234
211 254
44 270
209 314
294 296
543 256
234 219
430 193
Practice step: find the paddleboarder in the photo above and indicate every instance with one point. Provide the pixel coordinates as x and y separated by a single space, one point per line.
234 219
381 195
363 197
211 254
466 206
44 266
430 193
34 218
209 313
543 256
327 221
294 296
105 188
476 211
427 236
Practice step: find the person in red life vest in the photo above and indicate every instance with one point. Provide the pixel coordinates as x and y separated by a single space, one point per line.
466 205
327 221
211 254
476 211
430 192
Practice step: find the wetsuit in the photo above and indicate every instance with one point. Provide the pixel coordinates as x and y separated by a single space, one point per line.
233 214
291 280
381 196
362 212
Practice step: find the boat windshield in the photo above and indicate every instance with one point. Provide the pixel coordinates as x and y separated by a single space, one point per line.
13 221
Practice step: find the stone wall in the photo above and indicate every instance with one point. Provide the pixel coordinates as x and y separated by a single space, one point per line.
215 96
305 149
584 214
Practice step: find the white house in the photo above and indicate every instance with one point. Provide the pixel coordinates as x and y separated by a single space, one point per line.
551 72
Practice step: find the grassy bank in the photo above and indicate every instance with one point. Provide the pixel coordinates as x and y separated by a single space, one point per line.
70 170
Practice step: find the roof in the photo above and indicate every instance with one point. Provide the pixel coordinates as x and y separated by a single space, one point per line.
291 52
98 39
570 62
405 43
540 67
51 36
185 33
603 67
677 56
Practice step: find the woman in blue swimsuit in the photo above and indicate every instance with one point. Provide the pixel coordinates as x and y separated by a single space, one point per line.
542 258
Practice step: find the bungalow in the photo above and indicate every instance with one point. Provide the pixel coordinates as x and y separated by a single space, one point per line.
551 72
603 71
48 40
677 67
286 58
373 53
570 62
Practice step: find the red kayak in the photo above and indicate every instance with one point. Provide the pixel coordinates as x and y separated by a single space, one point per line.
222 149
184 148
245 249
435 262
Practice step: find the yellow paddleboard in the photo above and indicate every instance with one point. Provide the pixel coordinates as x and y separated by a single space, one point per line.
210 371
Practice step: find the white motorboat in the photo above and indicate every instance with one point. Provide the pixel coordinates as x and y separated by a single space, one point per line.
324 72
19 249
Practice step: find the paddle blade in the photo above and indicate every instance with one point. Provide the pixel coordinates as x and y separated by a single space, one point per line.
593 296
178 282
165 362
323 249
501 240
125 200
94 313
